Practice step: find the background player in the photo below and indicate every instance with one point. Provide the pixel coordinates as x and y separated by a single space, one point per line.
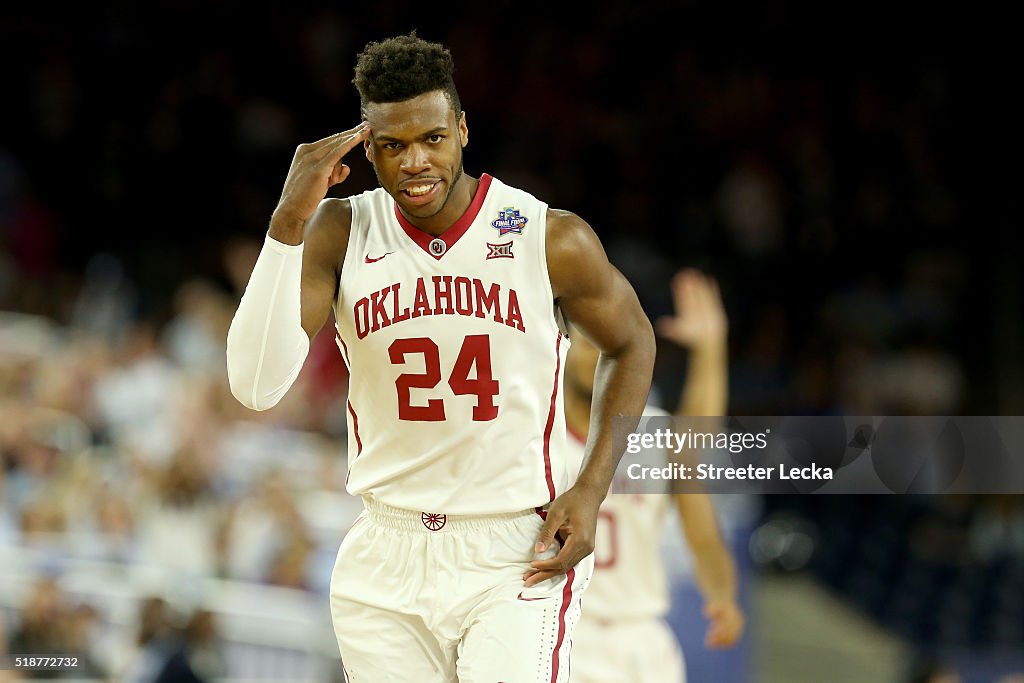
623 635
449 294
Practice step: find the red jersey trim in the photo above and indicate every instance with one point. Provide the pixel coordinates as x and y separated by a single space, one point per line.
344 351
451 235
355 428
570 576
351 410
551 419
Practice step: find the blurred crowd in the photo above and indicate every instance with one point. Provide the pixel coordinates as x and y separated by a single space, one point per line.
163 647
820 182
120 443
131 445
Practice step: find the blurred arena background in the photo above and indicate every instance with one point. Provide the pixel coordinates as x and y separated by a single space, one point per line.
814 162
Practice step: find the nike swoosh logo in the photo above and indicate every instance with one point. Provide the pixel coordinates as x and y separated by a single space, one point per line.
374 260
520 597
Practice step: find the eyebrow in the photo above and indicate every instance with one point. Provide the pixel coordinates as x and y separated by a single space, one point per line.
432 131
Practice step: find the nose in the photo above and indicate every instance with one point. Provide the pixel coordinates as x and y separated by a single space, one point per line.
415 159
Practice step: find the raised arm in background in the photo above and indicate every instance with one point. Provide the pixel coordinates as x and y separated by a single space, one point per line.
700 325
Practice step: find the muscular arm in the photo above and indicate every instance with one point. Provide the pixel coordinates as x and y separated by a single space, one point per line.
602 304
295 279
325 243
285 304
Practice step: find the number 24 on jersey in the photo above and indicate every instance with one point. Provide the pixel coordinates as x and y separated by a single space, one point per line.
475 351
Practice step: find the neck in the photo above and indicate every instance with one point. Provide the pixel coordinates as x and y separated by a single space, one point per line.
458 203
577 411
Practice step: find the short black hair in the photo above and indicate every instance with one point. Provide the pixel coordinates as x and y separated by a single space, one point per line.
404 67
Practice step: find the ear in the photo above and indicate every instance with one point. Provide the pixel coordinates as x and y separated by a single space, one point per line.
463 130
368 148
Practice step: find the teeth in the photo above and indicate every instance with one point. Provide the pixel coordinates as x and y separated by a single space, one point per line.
417 190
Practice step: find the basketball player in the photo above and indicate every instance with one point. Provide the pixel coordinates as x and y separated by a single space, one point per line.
450 295
623 636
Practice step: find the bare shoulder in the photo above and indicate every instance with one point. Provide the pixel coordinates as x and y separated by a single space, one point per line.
326 233
566 228
332 218
574 253
591 291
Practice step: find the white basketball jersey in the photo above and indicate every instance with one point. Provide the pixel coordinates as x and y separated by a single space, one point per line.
455 356
629 579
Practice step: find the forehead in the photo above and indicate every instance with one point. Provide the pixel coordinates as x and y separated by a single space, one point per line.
412 117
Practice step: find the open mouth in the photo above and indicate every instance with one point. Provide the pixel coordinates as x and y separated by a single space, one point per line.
421 192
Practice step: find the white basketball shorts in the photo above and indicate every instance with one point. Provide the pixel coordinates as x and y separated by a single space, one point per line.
636 650
429 598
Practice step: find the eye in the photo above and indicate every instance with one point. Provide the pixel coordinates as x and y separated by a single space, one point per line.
392 145
435 138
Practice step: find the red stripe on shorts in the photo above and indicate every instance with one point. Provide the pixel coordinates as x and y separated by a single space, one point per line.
566 600
551 419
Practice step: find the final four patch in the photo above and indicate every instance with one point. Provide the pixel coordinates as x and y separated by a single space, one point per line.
508 221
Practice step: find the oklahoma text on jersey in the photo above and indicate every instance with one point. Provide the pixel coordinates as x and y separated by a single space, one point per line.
459 414
445 295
